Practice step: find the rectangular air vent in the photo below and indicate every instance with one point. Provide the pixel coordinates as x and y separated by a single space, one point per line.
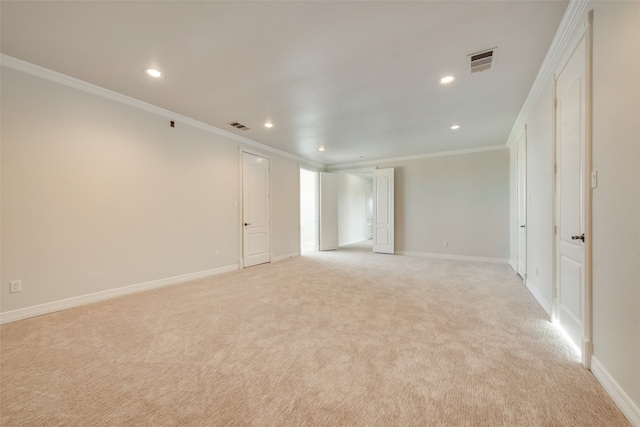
239 126
482 61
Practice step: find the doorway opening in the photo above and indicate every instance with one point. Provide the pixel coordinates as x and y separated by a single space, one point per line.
355 206
308 211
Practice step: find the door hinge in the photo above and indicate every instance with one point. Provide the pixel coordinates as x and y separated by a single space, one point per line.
555 167
555 229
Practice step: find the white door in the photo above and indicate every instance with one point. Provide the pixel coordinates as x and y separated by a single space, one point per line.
328 211
570 160
369 232
383 230
255 209
308 210
522 206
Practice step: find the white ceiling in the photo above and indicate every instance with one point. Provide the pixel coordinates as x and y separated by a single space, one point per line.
359 77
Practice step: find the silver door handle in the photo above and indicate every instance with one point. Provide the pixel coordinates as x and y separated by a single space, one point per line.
522 226
247 223
578 237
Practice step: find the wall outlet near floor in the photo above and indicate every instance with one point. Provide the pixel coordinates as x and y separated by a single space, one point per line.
445 243
216 254
16 286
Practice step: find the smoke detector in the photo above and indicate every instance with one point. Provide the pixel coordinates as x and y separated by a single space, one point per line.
481 61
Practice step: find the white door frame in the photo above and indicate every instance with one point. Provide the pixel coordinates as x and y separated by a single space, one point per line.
243 150
587 339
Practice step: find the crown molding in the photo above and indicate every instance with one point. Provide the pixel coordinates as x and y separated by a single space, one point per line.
339 166
63 79
563 39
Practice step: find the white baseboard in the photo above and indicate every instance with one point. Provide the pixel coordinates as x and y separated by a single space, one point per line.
454 257
622 399
50 307
546 305
283 257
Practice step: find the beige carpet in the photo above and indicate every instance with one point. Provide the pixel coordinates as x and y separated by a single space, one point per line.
345 338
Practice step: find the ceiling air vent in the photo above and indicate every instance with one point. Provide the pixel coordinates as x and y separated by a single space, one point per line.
239 126
482 61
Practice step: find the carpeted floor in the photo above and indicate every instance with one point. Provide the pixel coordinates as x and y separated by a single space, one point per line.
346 338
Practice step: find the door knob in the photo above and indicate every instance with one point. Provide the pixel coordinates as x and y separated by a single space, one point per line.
522 226
247 223
578 237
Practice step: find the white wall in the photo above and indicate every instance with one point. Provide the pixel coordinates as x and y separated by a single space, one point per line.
308 210
616 209
285 207
98 195
461 198
352 209
616 205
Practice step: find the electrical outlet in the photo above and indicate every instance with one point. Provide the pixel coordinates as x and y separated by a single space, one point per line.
16 285
445 243
216 254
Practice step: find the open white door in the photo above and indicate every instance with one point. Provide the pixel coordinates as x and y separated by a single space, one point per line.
369 196
328 211
255 209
522 206
570 305
308 210
383 230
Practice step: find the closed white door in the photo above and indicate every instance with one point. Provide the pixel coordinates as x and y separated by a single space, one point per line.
255 209
522 206
570 162
383 210
328 211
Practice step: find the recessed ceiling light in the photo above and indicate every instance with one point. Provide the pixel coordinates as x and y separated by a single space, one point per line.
321 148
454 127
268 125
446 80
154 73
